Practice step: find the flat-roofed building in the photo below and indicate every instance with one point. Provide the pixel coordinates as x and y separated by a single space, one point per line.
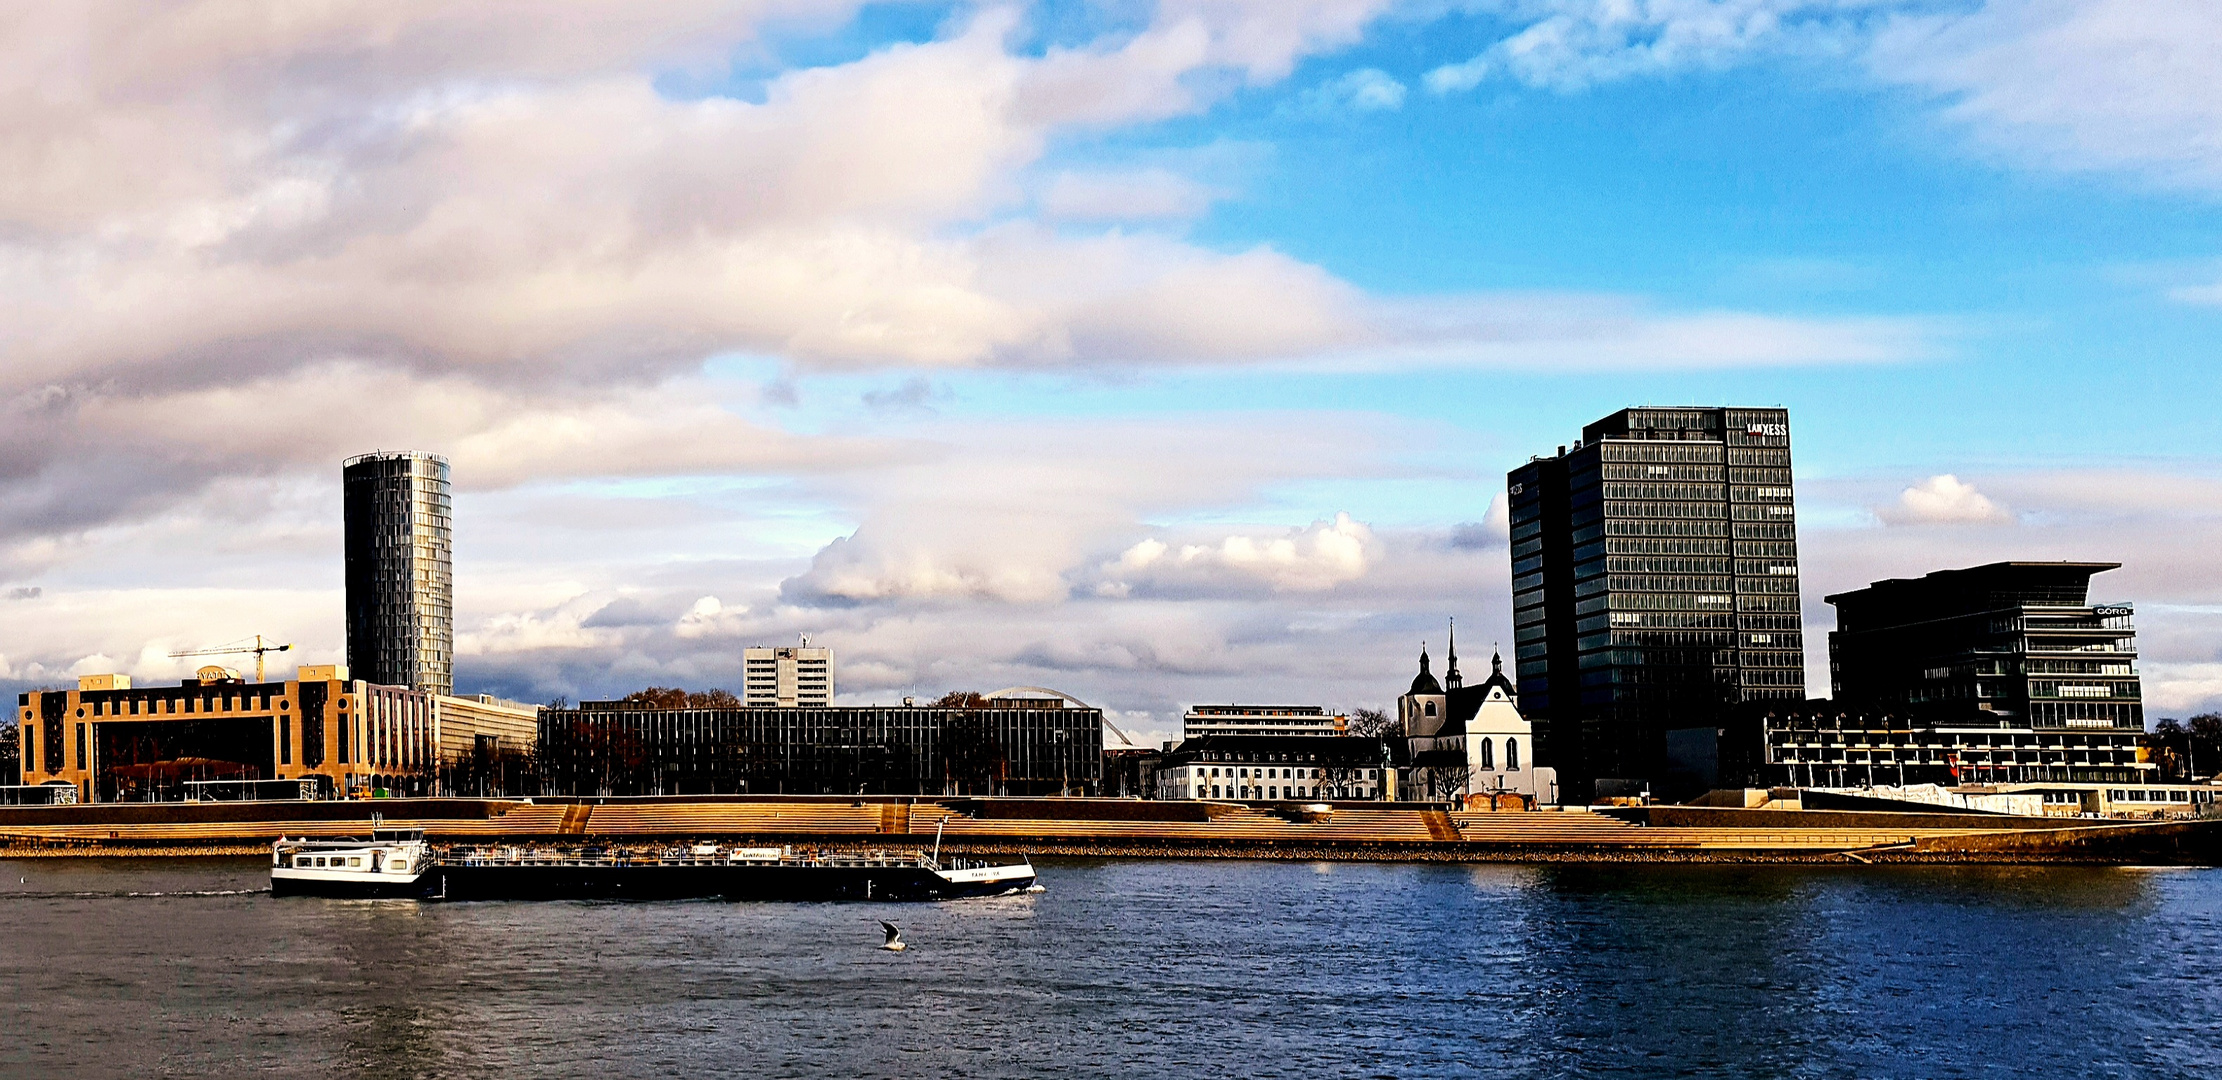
1036 746
1827 744
485 743
222 736
787 677
2012 642
1654 584
1203 720
1279 767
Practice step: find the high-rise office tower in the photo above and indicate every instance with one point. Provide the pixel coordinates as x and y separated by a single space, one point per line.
788 676
1654 584
400 590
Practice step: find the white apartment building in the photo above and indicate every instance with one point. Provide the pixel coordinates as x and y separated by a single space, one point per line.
788 676
1277 768
1203 720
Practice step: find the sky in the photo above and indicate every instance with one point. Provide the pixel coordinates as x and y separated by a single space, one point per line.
1155 352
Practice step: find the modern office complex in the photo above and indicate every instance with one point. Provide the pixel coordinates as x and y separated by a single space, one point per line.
2014 641
400 589
1655 584
1203 720
219 736
787 677
1994 674
1012 747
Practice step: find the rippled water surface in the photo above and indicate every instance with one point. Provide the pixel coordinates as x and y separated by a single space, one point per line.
1136 969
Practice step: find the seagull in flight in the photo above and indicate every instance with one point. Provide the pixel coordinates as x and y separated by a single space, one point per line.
894 937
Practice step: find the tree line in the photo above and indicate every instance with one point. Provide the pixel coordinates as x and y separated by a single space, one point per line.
2187 748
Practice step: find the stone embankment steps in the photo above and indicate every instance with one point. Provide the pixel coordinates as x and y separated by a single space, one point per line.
1078 826
522 820
665 819
1580 828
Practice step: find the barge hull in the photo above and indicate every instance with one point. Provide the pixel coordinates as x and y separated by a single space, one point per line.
787 883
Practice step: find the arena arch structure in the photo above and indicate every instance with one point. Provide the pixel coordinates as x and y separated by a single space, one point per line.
1047 692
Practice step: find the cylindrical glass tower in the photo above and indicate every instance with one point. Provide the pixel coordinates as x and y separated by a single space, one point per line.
400 589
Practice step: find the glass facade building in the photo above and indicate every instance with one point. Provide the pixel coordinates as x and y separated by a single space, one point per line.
2010 643
624 748
400 588
1655 584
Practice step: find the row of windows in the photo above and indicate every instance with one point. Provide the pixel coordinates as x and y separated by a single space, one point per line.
1693 453
1770 512
1769 493
1778 457
1215 773
1712 473
1657 527
1682 492
1668 511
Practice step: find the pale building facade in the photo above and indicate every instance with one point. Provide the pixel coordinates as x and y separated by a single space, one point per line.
1465 742
1202 720
787 677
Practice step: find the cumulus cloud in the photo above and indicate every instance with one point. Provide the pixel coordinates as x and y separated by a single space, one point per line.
1944 500
1311 559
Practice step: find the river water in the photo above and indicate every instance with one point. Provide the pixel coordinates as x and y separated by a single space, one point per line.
1136 969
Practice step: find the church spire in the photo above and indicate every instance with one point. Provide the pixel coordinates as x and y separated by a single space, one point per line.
1451 679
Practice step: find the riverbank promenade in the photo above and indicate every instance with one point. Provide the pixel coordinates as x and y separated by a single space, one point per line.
1129 828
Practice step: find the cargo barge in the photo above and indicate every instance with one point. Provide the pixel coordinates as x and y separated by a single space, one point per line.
405 867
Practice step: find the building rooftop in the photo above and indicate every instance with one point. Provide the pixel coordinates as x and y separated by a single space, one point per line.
1987 585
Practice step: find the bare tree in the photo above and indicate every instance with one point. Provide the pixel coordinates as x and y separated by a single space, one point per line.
2204 744
1445 783
1374 724
960 699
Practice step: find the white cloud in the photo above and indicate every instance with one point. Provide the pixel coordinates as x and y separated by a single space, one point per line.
1571 44
2120 86
2076 85
1311 559
1143 195
2202 295
1944 500
1362 90
2181 689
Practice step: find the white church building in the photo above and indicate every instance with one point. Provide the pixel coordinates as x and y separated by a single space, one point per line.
1470 742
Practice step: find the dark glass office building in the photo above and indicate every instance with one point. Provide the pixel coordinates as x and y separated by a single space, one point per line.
1654 585
2008 644
1010 748
400 589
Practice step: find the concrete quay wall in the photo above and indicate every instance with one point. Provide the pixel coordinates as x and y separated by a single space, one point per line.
1102 828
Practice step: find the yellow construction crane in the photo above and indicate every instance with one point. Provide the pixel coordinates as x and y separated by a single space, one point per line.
236 648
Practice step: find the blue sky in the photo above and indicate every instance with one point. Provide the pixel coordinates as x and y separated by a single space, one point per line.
1162 350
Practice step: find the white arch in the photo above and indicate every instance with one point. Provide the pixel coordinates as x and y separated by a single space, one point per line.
1039 690
1123 736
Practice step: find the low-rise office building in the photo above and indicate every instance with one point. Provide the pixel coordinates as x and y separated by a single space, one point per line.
1279 767
320 734
1202 720
1034 746
2002 673
1821 745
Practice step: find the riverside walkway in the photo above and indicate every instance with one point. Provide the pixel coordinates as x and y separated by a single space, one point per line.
1116 827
